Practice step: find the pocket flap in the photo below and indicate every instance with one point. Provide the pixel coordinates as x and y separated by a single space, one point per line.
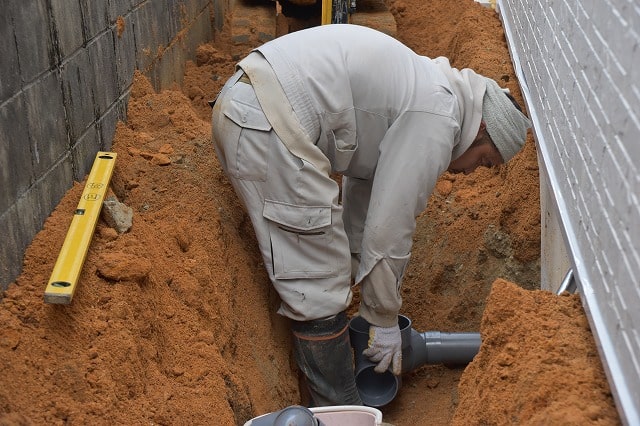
303 218
246 115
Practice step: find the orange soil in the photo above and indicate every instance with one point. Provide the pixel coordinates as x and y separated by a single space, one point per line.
173 322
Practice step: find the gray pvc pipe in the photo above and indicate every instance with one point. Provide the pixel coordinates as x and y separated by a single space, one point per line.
418 349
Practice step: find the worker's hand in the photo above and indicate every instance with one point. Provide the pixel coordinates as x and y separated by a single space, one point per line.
385 348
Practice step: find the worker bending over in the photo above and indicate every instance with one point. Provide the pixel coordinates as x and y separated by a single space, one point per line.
350 100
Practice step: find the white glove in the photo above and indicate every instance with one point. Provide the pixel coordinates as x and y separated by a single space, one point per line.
385 348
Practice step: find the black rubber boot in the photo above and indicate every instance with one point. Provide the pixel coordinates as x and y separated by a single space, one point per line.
324 355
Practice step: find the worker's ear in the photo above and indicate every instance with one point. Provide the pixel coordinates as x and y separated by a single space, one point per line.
481 131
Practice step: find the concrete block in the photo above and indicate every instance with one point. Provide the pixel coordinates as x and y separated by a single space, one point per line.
197 7
187 12
52 188
31 214
95 17
19 225
149 22
200 32
169 68
47 124
107 125
102 56
36 51
9 64
11 248
136 3
159 14
77 66
219 12
83 153
205 26
119 8
16 170
122 104
143 29
67 24
176 16
78 82
125 45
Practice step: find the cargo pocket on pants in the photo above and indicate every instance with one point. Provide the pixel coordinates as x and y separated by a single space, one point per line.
300 237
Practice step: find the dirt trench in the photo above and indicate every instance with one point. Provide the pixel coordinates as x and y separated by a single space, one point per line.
174 321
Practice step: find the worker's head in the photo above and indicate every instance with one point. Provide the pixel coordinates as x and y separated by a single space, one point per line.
502 132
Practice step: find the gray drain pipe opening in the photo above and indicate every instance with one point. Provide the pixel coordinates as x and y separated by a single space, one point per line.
418 349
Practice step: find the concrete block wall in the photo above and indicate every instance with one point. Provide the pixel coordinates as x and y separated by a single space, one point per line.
65 76
578 62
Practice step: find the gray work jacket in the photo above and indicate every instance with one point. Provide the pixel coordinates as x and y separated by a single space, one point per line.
390 121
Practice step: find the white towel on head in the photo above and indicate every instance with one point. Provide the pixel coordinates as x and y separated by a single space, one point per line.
506 125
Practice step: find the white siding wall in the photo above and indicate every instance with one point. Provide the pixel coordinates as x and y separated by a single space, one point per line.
579 65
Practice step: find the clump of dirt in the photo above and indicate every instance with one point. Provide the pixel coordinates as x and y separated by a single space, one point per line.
539 353
174 321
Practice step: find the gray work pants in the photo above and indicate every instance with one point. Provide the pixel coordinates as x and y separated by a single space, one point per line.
293 206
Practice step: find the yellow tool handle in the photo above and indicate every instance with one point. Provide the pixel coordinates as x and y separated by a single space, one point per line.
336 11
326 12
66 271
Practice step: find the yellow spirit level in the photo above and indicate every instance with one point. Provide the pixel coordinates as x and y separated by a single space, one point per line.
66 271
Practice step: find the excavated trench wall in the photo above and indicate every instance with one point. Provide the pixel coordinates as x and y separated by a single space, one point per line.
65 78
66 73
577 62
